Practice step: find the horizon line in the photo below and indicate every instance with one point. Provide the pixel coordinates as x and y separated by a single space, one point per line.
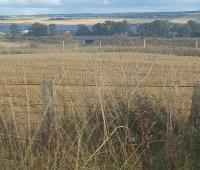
100 13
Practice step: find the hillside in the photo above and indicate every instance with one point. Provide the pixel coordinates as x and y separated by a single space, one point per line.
89 19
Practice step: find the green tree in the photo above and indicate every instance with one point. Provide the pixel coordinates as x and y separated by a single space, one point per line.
120 27
100 29
13 29
53 29
38 29
182 29
156 28
110 28
192 24
83 30
160 27
194 28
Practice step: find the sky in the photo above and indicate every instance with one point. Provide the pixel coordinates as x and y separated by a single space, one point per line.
30 7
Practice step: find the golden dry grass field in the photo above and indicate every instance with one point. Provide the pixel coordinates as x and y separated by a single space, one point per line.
70 21
86 21
82 77
102 68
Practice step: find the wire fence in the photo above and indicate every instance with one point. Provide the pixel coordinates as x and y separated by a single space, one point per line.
79 107
102 85
182 46
65 105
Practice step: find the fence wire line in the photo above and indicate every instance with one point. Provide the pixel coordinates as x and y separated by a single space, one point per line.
100 85
91 85
78 107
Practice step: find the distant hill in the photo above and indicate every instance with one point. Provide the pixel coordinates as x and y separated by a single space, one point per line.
91 19
160 15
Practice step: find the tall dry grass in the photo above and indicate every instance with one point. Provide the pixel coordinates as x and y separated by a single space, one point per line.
98 127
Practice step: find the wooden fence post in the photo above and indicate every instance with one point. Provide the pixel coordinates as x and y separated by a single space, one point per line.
170 139
61 71
194 125
63 46
170 51
100 44
144 43
75 44
48 118
197 43
195 115
47 93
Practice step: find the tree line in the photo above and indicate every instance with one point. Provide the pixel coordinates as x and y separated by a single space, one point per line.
107 28
104 29
162 28
157 28
36 29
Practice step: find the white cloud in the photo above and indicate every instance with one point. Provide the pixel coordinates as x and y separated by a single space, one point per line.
47 2
33 11
29 2
94 6
2 2
106 2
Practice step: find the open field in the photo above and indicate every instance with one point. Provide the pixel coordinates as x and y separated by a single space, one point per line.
92 20
103 68
96 96
86 21
70 21
20 103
